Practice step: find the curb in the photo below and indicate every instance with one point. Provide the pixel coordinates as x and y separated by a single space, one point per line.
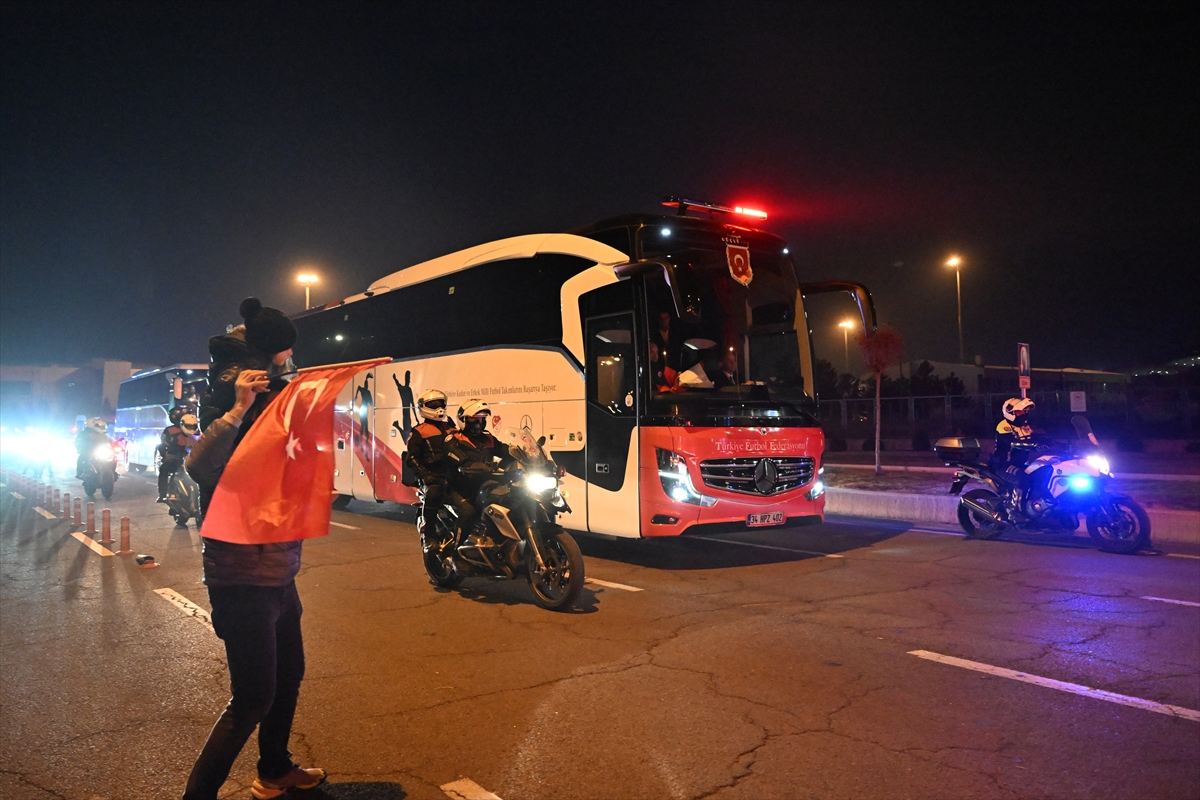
1127 476
1165 525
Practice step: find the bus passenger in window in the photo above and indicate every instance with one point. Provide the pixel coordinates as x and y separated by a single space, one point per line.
665 379
666 341
726 370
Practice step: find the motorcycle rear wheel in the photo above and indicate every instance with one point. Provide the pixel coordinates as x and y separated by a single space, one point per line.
440 568
559 585
972 522
1124 529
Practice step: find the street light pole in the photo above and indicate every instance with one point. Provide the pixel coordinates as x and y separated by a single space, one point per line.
846 325
954 263
307 279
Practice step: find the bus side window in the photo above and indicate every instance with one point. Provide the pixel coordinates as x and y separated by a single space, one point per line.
611 364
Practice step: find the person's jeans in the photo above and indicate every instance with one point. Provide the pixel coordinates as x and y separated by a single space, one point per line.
260 626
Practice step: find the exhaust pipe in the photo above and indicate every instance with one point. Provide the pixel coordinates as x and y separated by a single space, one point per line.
983 511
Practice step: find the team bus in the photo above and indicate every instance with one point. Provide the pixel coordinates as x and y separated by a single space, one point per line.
666 359
143 403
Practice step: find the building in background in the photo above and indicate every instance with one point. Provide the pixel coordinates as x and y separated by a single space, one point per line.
52 396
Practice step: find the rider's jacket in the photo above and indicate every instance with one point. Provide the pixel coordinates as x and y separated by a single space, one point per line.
465 451
427 451
175 443
1007 435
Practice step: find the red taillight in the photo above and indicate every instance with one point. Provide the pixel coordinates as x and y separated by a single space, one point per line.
750 212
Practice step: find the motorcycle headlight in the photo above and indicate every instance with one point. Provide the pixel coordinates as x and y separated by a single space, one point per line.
104 452
539 483
1099 462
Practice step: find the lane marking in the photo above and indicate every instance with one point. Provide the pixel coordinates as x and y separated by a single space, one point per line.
18 496
185 605
1169 600
1182 555
772 547
1062 686
610 585
343 525
93 544
45 513
467 789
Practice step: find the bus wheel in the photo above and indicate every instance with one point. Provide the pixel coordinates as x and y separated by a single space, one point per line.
341 501
139 468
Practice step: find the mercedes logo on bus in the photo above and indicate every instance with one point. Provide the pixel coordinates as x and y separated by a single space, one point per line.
765 475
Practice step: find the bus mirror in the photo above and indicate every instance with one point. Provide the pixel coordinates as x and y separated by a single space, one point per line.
860 293
178 390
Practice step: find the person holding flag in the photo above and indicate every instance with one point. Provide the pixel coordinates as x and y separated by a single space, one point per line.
264 465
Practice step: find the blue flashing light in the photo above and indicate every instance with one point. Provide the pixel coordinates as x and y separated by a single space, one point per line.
1081 482
666 232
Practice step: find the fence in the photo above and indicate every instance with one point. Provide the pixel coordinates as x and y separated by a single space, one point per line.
1141 411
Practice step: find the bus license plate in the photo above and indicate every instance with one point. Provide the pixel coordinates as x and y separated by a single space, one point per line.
769 518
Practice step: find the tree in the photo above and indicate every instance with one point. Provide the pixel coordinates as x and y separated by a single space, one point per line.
880 350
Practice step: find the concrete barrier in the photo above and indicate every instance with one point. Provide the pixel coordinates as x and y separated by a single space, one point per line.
1165 525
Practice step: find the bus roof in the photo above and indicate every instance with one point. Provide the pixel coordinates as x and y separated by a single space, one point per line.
173 368
500 250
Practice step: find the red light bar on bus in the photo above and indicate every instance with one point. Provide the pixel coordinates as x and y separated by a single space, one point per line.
683 205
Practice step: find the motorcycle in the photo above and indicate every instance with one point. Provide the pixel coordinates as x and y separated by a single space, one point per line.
522 537
1059 482
183 498
100 470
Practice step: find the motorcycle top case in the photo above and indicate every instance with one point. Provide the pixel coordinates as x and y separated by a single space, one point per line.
957 450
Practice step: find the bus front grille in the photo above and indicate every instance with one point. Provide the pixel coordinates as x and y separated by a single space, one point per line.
761 476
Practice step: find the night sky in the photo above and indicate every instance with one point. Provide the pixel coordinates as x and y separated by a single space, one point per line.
162 161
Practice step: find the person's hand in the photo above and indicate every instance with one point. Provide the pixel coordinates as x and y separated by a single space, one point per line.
250 383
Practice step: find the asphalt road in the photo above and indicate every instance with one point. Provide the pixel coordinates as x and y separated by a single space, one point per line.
774 665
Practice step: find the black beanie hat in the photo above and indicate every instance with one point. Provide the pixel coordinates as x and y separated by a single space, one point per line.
267 329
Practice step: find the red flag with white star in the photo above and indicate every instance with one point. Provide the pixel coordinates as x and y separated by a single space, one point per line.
278 485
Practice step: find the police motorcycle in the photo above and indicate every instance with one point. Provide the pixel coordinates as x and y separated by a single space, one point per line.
1061 482
522 538
98 466
183 494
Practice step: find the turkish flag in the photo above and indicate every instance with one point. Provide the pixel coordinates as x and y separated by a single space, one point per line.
739 264
278 484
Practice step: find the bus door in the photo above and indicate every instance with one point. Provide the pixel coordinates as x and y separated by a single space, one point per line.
362 418
612 406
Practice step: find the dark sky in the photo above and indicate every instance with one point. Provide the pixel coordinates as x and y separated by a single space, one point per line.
162 161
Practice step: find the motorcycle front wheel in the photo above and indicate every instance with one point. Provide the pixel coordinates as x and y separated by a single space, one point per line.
1120 525
107 479
440 568
974 524
559 585
89 488
181 519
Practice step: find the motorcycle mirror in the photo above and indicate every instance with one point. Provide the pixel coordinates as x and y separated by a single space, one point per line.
178 390
541 441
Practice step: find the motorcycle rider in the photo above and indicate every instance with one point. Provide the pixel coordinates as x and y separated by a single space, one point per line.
177 439
94 434
1015 440
426 457
475 454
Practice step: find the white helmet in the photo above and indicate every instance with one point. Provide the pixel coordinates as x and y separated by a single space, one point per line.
431 405
1017 407
189 424
98 425
472 408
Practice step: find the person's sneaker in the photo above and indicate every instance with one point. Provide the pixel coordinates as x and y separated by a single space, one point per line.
297 778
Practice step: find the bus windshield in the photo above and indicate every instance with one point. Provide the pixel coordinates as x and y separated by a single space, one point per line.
722 327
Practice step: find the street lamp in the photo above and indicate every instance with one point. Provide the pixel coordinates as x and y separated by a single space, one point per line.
306 279
954 263
846 325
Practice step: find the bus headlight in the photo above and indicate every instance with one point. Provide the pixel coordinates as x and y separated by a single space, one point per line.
818 489
676 482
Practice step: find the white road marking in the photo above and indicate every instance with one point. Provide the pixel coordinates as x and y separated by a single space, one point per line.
771 547
1181 555
1169 600
467 789
599 582
93 544
1062 686
184 605
18 496
44 512
341 525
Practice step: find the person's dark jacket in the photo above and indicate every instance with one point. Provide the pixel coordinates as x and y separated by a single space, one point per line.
225 563
474 459
427 450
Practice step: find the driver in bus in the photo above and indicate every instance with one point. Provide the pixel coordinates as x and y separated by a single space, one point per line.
476 454
426 457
